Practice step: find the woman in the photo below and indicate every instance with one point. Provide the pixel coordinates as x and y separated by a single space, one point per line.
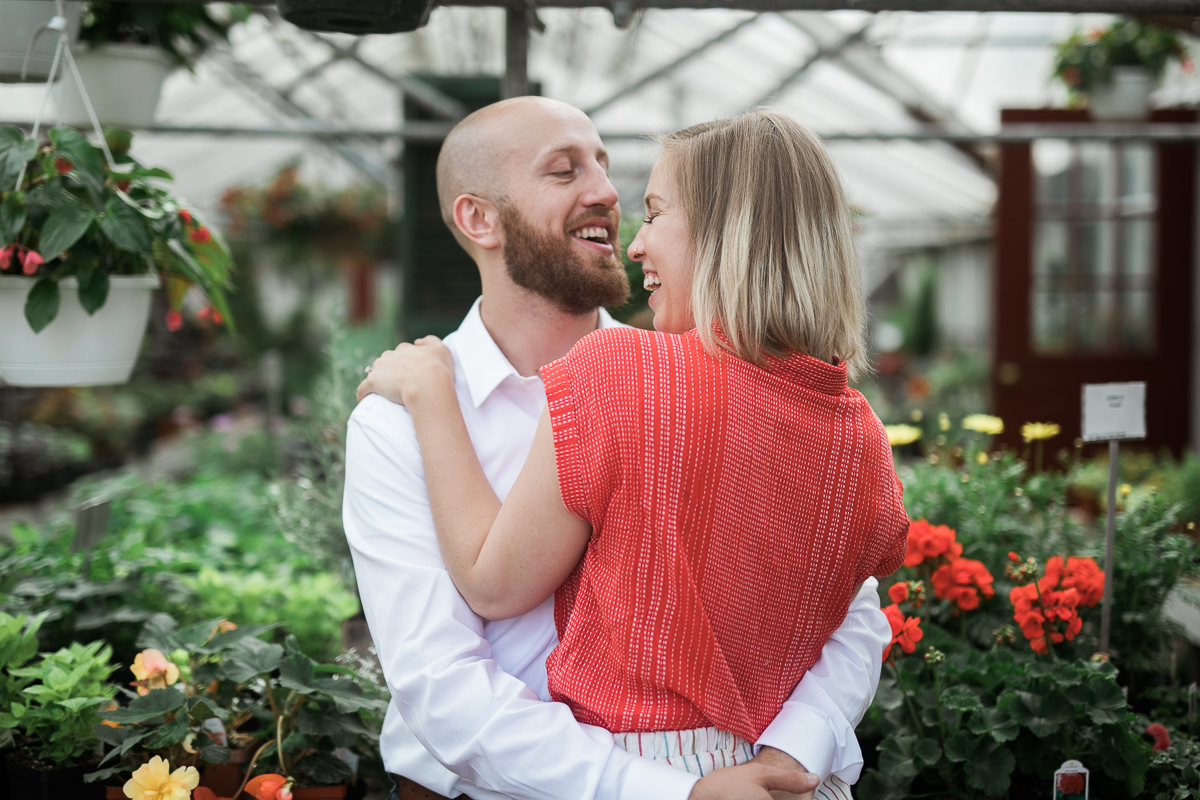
705 500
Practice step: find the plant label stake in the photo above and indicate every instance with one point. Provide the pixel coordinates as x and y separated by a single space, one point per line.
1112 411
91 523
1071 781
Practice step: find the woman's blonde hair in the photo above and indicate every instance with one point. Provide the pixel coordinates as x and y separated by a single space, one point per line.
772 241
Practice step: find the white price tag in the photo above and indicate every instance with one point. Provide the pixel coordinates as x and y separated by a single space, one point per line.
1114 411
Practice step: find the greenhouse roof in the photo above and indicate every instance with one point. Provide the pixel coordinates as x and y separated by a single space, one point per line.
837 72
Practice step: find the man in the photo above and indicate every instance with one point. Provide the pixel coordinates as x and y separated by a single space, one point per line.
523 185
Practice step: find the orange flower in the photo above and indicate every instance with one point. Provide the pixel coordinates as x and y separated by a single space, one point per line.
270 787
906 632
930 542
962 581
153 670
1081 574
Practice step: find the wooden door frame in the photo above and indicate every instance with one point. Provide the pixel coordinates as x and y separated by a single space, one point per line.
1173 310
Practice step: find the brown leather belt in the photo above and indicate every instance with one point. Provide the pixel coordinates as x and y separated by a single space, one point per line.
411 790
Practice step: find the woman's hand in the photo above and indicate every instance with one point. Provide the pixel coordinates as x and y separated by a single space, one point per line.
754 781
400 374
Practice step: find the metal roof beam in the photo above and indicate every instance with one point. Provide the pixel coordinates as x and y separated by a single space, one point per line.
667 69
822 52
1174 7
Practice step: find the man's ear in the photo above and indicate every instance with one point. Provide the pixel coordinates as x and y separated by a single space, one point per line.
478 220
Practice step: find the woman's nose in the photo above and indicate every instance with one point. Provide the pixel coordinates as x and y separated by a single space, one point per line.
636 251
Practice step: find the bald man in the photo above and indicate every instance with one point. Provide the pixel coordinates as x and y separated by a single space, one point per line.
523 185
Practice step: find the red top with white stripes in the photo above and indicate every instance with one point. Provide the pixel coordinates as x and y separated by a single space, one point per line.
735 510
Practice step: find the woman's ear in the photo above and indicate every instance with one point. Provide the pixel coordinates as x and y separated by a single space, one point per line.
478 220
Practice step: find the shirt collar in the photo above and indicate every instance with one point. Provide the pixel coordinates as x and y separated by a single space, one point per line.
484 367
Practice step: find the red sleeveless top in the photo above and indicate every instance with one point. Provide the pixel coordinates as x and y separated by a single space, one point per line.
735 510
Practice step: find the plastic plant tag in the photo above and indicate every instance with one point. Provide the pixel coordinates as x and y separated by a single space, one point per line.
1071 781
213 727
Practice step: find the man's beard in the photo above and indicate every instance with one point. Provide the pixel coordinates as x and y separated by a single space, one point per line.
550 267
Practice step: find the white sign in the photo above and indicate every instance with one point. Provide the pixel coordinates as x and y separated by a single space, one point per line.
1114 411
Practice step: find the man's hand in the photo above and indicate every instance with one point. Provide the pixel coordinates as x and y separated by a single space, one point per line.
777 758
757 780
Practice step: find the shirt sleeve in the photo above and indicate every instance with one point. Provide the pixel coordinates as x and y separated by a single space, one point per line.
483 725
816 724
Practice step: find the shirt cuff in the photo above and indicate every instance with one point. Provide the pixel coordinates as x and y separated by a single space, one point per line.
632 777
807 737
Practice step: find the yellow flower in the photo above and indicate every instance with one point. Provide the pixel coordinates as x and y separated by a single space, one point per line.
943 421
902 434
1126 489
1039 431
154 781
153 670
983 423
982 458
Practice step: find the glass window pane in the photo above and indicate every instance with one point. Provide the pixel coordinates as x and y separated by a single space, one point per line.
1049 322
1137 248
1096 162
1093 313
1137 177
1137 320
1050 252
1095 254
1051 161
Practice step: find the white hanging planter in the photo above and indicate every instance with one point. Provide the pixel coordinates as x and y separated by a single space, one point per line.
75 349
1126 98
19 20
124 82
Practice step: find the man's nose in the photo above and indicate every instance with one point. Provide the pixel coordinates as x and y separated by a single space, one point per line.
599 190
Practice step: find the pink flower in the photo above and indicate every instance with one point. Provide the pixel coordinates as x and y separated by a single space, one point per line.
33 259
174 320
1162 739
6 256
185 216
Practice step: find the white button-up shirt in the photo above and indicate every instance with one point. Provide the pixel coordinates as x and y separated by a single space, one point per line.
470 711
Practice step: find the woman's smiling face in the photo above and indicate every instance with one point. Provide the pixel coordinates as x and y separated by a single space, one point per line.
663 247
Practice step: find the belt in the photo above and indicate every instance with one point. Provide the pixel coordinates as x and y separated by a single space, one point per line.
411 790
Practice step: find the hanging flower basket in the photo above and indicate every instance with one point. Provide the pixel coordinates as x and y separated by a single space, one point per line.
21 19
83 242
123 81
75 349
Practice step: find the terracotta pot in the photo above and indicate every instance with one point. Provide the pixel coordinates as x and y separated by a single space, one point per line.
114 793
320 793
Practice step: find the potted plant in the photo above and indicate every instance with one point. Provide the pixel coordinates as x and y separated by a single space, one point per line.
22 18
54 720
18 644
1115 69
131 48
101 237
180 713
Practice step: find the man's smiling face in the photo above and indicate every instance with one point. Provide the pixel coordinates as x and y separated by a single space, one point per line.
560 212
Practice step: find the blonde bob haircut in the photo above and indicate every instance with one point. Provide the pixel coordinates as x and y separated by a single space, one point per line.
774 261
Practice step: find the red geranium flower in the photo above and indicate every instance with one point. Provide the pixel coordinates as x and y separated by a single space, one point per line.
174 320
906 632
200 235
1071 784
63 165
963 581
930 542
185 216
898 592
1162 739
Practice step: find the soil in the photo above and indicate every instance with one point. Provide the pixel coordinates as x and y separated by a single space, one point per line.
26 755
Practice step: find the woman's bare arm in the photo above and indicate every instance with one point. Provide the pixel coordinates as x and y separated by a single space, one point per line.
504 559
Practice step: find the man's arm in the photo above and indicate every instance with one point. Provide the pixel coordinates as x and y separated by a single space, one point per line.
478 721
816 724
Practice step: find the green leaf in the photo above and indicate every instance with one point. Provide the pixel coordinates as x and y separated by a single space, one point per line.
171 733
928 752
77 704
15 152
298 672
41 305
995 723
326 769
989 771
12 217
223 641
213 753
155 704
250 658
296 742
88 168
348 696
959 747
960 698
896 756
64 227
103 774
124 227
127 744
93 289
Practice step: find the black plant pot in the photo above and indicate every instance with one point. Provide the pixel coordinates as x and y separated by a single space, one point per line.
27 783
357 16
